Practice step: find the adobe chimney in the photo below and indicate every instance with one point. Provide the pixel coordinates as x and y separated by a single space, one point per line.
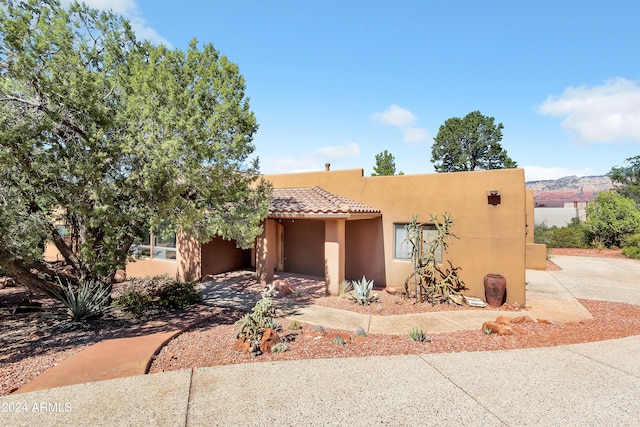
327 166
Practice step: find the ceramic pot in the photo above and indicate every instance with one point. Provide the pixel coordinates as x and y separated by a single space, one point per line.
495 289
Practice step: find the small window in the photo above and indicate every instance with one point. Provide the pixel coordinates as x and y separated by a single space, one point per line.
161 246
402 247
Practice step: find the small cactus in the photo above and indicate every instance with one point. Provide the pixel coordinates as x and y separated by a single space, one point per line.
294 325
319 329
338 340
281 347
360 332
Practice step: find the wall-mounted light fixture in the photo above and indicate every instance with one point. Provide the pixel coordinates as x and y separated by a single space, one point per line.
493 197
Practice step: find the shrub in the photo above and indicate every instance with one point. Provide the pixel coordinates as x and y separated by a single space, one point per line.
631 246
144 294
135 301
362 292
610 218
571 236
175 295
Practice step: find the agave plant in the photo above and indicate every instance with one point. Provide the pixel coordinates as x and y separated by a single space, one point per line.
89 301
362 292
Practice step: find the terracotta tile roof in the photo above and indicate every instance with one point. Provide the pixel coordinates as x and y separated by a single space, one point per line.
314 201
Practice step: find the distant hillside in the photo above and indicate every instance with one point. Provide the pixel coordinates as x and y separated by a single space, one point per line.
568 189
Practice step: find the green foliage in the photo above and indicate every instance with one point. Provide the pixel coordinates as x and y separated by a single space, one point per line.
626 179
571 236
111 136
135 301
263 314
338 340
418 335
360 332
385 164
362 292
144 295
88 301
281 347
433 283
610 218
487 331
178 295
468 144
631 246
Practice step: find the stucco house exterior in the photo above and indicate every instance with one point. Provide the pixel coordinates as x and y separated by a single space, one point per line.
344 225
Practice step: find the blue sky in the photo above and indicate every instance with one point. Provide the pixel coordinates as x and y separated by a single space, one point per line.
340 81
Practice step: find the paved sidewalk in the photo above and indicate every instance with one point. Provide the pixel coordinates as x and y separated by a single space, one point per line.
584 384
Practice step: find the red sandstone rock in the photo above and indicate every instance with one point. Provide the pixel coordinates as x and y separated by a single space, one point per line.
503 320
269 339
391 290
120 276
522 319
500 328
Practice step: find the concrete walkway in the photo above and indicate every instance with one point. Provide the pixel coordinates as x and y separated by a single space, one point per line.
584 384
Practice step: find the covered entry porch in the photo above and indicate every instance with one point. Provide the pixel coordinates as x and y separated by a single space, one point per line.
312 231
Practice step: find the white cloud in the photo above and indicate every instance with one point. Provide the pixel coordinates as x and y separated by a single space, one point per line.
395 116
404 120
415 136
340 151
606 113
540 173
129 9
275 165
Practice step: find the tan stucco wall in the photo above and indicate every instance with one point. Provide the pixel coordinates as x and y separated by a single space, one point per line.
151 267
219 256
536 256
492 238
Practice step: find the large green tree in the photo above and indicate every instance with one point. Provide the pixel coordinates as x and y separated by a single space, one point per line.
626 179
385 164
469 143
112 137
610 218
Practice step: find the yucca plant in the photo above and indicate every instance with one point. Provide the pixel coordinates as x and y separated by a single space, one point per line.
417 334
89 301
362 292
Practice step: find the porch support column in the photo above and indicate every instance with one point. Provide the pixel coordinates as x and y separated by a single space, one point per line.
188 258
266 252
334 254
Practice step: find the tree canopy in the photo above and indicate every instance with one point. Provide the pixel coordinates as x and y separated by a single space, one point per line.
111 137
610 219
469 143
626 179
385 164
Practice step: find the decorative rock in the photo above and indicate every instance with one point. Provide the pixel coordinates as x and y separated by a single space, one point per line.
391 290
6 282
503 320
283 287
120 276
499 328
269 339
522 319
